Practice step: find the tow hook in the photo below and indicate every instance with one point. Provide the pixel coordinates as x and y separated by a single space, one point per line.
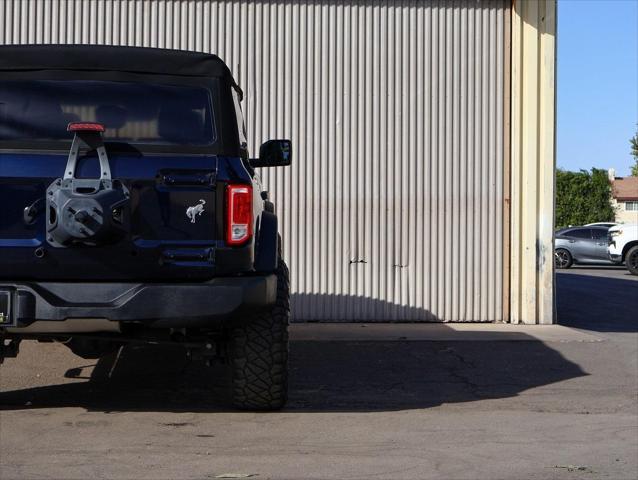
208 352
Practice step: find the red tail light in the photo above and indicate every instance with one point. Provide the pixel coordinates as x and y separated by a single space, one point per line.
85 127
239 202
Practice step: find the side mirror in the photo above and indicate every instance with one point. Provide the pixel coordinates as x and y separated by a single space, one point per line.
273 153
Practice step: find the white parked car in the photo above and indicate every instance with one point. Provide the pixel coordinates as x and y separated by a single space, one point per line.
623 245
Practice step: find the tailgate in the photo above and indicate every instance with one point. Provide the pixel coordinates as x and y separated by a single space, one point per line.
173 229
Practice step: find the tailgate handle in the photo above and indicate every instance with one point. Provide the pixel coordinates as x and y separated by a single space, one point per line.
194 178
204 255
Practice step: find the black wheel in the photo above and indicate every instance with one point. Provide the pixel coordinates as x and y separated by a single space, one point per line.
631 260
258 353
562 258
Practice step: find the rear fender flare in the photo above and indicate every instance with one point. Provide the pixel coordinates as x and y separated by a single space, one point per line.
266 244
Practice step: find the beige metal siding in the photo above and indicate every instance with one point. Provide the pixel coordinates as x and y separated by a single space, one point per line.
394 206
533 161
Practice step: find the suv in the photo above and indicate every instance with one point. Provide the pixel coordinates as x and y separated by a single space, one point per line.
623 246
131 212
580 245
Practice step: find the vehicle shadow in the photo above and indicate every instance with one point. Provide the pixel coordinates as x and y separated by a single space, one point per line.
597 303
325 376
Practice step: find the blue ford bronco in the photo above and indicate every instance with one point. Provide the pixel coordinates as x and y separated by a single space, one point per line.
130 212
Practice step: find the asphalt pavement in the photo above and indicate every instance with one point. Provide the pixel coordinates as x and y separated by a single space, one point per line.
604 271
387 402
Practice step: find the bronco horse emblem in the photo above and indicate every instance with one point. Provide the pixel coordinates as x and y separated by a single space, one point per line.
196 210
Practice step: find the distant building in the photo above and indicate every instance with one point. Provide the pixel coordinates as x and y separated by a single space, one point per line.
624 193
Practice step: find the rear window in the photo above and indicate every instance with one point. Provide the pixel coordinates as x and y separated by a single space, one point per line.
137 113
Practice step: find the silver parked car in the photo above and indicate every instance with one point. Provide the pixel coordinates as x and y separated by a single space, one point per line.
586 244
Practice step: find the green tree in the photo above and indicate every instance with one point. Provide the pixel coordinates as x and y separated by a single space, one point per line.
634 152
583 197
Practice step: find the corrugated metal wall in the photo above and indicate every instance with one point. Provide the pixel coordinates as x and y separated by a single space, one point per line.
394 206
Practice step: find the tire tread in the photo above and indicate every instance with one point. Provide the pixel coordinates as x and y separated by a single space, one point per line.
259 353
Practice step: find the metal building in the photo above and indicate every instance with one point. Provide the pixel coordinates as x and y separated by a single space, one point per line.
422 185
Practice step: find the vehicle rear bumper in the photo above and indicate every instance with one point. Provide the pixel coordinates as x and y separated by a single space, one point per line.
175 305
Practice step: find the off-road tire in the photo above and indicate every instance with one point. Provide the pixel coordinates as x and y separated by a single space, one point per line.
562 258
631 260
258 353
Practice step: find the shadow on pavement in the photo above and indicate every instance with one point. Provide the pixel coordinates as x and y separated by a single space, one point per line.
597 303
372 375
325 376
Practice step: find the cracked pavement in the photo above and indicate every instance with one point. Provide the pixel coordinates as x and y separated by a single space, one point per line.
395 409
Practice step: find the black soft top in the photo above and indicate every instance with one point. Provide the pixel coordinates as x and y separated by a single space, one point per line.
113 59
